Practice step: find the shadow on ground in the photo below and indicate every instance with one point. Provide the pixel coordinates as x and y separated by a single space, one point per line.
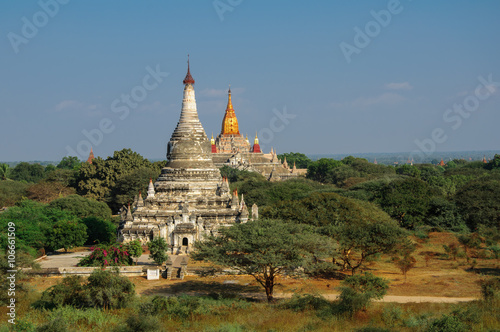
485 271
200 287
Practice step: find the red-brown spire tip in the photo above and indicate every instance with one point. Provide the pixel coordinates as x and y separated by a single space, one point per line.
188 79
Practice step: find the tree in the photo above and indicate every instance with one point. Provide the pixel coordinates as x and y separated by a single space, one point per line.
406 200
130 185
82 207
12 192
405 263
263 249
69 162
103 289
356 292
320 170
470 241
494 163
300 159
135 249
364 238
99 230
479 203
27 172
47 191
409 170
158 250
34 222
4 171
67 234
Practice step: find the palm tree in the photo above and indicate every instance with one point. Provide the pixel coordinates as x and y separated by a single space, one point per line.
4 168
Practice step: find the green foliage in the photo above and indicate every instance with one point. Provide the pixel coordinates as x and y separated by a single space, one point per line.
365 237
408 201
305 302
69 162
33 222
490 289
107 255
99 179
479 203
320 170
27 172
235 175
447 323
181 307
408 170
158 250
300 159
131 184
107 289
99 231
263 249
56 325
494 163
69 292
444 215
358 291
135 249
141 323
82 207
4 171
66 234
12 192
103 289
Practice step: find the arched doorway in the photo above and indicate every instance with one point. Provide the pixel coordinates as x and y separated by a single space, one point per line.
185 241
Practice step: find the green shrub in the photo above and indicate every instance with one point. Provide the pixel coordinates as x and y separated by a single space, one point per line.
56 325
447 324
104 255
107 289
103 289
490 289
372 329
99 231
182 306
158 250
358 291
306 302
70 291
141 323
392 316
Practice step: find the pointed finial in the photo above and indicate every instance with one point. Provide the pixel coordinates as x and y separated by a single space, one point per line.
188 79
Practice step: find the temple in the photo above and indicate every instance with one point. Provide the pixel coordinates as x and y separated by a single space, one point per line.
189 198
231 148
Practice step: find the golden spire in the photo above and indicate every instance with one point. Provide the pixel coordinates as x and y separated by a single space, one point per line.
256 140
230 123
212 141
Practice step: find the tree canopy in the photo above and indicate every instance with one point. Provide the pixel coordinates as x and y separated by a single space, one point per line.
263 249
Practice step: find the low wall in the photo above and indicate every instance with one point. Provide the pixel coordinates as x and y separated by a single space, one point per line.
128 271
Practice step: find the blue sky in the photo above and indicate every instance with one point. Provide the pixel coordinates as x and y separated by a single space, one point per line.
396 93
